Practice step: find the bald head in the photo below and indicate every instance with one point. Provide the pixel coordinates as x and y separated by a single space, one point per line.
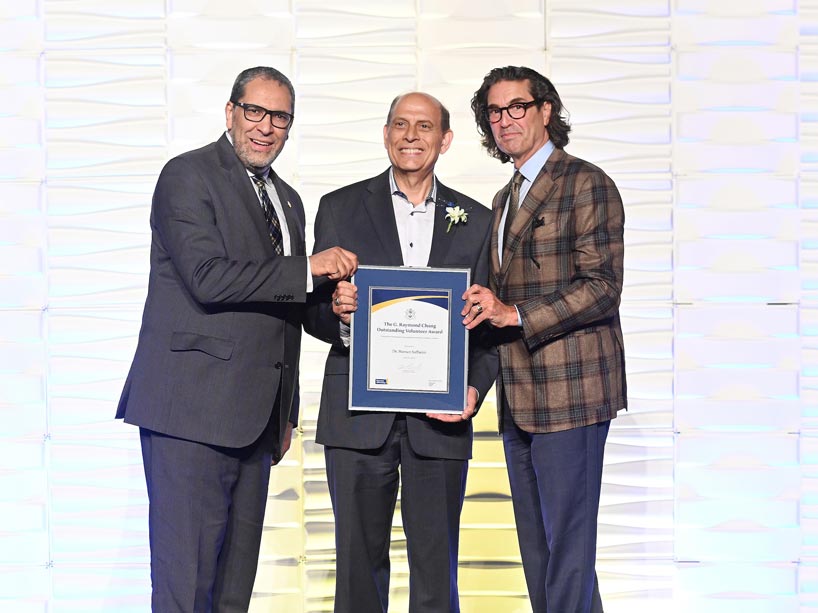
444 112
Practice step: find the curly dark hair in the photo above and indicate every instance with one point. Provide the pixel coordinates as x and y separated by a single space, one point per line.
540 88
260 72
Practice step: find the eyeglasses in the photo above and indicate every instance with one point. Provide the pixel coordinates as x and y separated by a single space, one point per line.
255 113
515 111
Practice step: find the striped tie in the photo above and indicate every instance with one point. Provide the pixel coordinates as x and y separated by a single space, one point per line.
273 225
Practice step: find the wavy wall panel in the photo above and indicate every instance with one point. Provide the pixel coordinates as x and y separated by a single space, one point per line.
808 312
705 116
738 287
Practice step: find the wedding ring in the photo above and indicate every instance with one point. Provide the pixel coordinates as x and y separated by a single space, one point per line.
337 302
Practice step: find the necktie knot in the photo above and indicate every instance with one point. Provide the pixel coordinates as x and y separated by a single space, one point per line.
516 184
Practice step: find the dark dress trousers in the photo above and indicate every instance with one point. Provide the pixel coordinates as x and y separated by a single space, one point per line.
214 380
363 449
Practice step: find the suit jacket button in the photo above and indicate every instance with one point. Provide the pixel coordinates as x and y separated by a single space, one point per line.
277 365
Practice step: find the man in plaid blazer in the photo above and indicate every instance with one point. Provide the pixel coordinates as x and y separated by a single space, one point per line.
555 284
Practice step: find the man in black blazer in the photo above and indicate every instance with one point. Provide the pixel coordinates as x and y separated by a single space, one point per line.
398 218
214 383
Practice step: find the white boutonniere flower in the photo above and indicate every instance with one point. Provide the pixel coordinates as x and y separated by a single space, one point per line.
455 215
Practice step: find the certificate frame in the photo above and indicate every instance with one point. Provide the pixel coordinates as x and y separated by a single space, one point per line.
407 288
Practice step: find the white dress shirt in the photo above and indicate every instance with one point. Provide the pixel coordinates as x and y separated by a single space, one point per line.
415 224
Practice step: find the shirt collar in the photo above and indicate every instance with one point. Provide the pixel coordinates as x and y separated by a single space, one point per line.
532 167
393 188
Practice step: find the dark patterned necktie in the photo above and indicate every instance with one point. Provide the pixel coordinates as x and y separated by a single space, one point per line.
513 203
273 224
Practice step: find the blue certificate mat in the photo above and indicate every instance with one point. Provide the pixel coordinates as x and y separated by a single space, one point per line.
409 349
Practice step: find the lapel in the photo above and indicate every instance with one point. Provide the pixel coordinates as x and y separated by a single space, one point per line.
297 246
242 185
442 240
378 205
537 198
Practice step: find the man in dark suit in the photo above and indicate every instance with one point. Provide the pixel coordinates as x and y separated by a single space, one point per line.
556 280
214 383
398 218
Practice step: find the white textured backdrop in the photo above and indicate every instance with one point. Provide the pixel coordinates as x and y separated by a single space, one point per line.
705 114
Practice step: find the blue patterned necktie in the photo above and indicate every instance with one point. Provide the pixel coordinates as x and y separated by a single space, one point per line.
273 224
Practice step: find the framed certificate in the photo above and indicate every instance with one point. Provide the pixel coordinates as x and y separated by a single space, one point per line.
408 347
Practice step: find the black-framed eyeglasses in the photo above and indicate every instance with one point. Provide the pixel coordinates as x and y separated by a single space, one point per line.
255 113
515 111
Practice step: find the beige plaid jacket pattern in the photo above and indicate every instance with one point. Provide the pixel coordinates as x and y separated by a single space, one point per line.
562 267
